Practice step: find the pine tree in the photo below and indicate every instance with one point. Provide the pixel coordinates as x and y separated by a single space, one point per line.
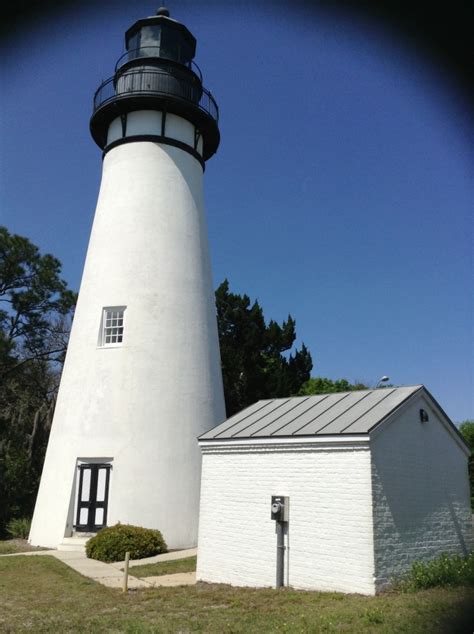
254 365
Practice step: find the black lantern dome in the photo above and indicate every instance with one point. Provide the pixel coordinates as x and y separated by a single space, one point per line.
157 72
160 36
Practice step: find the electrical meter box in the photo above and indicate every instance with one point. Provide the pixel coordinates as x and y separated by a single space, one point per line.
280 508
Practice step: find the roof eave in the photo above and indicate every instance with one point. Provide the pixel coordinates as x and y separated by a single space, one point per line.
329 439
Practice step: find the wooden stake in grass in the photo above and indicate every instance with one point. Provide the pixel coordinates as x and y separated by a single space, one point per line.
125 573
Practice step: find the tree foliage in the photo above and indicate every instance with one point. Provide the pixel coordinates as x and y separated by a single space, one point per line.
323 385
254 363
467 430
33 303
35 309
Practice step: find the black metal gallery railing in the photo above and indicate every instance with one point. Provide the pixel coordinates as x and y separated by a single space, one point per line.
148 82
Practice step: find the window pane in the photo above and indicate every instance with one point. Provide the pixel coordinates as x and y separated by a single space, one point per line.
150 36
101 481
99 517
86 485
112 326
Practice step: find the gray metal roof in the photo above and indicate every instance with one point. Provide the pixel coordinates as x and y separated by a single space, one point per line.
322 415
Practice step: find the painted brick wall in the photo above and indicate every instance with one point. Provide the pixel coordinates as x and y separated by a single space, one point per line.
330 530
421 493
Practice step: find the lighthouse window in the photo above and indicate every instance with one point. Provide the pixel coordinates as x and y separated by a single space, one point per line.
112 326
150 37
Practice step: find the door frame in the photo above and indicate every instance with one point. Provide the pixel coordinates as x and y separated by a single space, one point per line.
92 504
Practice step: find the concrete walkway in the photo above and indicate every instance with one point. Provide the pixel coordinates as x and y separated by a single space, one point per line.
106 574
111 575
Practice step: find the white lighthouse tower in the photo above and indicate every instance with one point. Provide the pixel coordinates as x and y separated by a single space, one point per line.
142 376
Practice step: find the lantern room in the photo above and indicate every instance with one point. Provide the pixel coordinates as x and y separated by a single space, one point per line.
161 37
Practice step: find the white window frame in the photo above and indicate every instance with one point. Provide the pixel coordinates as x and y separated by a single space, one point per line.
112 325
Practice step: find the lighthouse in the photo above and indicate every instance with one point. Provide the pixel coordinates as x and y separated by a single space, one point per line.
142 376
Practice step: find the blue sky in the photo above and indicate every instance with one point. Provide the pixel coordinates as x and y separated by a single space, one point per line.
340 194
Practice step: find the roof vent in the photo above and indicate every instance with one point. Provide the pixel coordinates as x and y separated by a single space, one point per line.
424 418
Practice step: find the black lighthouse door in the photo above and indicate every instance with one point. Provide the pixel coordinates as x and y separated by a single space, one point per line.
92 497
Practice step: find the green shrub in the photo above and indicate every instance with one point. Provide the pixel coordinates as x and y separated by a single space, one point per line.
446 570
19 528
111 544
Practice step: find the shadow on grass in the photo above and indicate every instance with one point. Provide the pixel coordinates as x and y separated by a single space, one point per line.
460 620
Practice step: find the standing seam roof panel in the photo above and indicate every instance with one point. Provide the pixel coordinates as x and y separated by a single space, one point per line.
260 425
357 411
383 409
307 404
321 406
258 415
344 404
342 413
233 420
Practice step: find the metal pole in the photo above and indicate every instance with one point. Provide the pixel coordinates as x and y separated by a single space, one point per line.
280 562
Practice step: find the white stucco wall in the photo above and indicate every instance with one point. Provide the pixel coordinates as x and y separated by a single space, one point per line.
330 527
143 403
421 492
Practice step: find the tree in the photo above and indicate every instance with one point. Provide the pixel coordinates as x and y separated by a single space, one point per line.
323 385
34 301
254 365
467 430
35 313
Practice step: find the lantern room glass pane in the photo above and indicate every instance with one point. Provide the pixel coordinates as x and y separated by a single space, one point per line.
134 42
175 46
150 41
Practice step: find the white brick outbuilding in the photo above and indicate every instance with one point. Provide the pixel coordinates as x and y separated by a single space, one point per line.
372 486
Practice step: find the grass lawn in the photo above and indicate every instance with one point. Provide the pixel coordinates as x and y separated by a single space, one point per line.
40 594
10 546
164 568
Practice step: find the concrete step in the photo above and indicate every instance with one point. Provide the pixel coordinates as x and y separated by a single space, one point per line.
75 543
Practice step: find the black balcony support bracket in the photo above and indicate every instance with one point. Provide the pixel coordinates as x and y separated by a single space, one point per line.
197 136
163 123
123 118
